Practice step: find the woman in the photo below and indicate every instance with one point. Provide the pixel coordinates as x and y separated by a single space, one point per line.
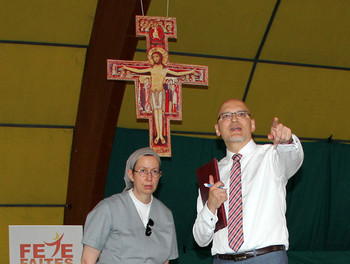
132 226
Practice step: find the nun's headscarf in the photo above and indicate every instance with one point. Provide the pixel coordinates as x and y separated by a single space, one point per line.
130 164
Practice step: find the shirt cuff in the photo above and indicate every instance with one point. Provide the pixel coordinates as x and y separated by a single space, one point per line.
293 145
209 217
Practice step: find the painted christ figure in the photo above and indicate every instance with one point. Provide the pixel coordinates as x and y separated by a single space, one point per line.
158 83
158 72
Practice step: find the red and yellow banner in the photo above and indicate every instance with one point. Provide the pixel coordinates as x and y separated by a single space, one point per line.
45 244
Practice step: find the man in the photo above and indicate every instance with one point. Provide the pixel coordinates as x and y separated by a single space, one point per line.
254 202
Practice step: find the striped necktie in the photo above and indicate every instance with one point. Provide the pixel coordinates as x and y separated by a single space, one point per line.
235 216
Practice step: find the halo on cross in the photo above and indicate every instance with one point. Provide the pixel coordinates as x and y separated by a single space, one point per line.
161 51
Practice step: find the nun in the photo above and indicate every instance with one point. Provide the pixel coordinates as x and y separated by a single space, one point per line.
132 226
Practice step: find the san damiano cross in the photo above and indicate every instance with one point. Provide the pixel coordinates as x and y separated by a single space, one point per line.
158 83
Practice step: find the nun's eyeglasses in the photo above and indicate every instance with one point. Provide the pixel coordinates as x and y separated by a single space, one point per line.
154 173
148 229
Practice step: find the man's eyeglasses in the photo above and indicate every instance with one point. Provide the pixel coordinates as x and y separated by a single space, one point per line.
148 229
144 173
229 115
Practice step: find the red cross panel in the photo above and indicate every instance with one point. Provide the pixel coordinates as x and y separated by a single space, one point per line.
158 83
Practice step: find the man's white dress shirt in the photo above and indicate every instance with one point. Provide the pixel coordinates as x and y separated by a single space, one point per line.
265 172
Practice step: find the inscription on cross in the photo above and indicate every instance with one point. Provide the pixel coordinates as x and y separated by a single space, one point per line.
158 83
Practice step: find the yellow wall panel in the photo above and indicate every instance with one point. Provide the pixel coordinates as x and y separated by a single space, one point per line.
25 216
63 21
313 32
40 84
34 165
313 102
227 28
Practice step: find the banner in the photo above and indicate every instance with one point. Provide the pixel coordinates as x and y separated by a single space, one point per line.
48 244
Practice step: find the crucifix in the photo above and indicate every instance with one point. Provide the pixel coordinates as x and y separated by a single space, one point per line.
158 83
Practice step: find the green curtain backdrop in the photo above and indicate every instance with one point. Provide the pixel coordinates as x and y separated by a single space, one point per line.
318 196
